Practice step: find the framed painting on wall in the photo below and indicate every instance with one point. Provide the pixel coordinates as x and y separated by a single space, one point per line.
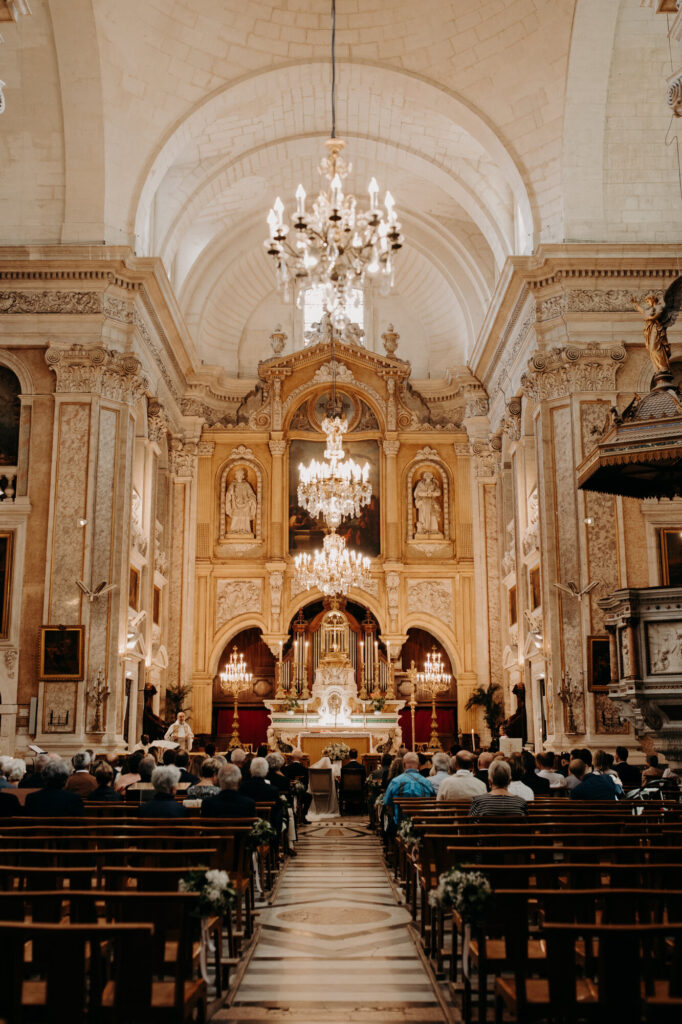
6 540
598 664
362 533
134 588
61 652
59 707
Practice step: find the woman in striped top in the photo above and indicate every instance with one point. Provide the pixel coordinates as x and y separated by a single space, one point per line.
499 802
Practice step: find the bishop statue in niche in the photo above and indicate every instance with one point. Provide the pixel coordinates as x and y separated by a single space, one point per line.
428 504
241 505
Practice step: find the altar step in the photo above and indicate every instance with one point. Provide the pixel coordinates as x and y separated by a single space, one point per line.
334 946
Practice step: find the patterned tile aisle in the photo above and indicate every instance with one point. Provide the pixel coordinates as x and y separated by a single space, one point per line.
334 946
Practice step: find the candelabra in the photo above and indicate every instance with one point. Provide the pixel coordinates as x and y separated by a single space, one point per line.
98 691
234 679
572 696
412 676
435 680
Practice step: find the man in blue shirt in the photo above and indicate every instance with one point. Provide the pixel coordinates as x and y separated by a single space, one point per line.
410 783
591 786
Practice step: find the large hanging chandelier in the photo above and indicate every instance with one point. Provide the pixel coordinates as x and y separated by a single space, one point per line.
338 487
333 569
336 244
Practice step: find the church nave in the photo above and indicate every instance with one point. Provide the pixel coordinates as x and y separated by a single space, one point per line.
333 945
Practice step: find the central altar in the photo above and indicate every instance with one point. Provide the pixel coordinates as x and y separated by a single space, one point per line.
338 708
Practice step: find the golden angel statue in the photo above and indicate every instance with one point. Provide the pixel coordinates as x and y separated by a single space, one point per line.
655 334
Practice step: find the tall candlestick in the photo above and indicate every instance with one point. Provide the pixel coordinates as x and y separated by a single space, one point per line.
473 741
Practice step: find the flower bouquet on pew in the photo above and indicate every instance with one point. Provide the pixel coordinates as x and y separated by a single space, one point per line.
297 788
409 836
262 834
467 892
336 752
216 892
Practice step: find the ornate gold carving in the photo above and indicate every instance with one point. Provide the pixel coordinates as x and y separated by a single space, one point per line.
655 335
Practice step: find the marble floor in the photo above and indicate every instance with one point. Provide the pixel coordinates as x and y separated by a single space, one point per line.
334 946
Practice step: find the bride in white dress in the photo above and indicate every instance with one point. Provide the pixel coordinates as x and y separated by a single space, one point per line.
325 804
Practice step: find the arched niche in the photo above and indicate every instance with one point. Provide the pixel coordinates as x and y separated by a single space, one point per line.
253 715
15 427
241 467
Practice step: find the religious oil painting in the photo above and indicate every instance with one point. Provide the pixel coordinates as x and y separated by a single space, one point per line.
9 417
361 533
5 580
61 652
598 663
134 588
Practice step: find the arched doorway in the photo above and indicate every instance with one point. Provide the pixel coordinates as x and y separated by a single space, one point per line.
253 714
418 645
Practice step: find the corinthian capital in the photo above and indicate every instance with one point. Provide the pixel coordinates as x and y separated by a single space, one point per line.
97 371
566 369
391 448
277 448
182 458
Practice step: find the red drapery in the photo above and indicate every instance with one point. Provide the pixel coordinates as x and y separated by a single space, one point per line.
422 724
253 724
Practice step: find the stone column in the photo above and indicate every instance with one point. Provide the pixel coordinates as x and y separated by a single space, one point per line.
89 533
392 515
182 464
278 497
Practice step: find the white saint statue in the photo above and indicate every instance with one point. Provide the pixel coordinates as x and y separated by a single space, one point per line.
427 495
240 504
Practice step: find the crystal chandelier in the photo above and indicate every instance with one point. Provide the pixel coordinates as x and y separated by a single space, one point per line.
434 680
334 569
337 243
234 679
338 487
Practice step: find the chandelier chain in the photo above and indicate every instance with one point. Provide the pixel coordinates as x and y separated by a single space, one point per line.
333 135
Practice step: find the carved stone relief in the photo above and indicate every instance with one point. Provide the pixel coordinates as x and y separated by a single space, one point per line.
160 556
276 584
97 371
431 597
11 657
561 371
137 534
393 595
428 502
235 597
664 642
182 458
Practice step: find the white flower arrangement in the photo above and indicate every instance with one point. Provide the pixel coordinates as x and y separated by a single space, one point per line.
216 892
408 835
467 892
336 751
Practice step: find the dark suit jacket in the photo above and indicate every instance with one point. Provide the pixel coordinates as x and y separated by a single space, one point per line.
539 785
228 804
186 776
34 780
162 805
53 803
260 790
9 804
629 774
594 787
105 793
296 770
281 782
482 776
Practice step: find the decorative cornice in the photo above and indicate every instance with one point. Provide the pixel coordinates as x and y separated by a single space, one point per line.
50 302
588 300
564 370
97 371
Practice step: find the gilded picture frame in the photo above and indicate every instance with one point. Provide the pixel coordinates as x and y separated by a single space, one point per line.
598 664
61 653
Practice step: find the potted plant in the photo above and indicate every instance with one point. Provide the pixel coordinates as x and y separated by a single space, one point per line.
489 698
176 699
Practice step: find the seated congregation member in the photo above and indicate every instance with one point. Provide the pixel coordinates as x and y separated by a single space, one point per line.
296 771
229 803
517 787
207 784
537 783
10 805
163 804
591 786
352 767
409 783
462 784
545 770
258 785
440 771
275 774
104 791
4 762
209 749
81 781
629 774
186 775
653 769
603 766
499 802
34 778
130 772
485 759
53 800
144 770
238 758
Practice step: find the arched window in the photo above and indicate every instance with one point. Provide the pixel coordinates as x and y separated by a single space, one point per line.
313 308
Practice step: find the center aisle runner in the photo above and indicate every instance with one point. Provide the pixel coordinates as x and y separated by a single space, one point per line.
334 946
